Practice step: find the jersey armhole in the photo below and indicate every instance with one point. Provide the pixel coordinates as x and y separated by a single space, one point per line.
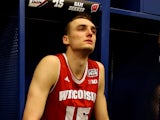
52 88
98 75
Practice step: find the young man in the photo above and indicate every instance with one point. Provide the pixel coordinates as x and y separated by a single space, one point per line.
69 86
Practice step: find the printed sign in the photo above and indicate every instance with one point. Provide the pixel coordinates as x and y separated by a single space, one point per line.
70 5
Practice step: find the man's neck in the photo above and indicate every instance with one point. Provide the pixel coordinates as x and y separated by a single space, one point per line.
77 63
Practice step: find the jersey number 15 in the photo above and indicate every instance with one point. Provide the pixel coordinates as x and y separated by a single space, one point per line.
81 113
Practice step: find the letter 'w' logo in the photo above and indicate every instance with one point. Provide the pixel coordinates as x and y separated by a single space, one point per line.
94 7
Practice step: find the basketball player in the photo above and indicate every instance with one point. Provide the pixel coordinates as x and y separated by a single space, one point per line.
69 86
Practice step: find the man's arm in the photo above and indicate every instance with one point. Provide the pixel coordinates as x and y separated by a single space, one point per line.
101 112
45 75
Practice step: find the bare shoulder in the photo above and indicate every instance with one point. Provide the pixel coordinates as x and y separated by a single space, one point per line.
102 75
101 66
47 70
49 64
50 58
49 61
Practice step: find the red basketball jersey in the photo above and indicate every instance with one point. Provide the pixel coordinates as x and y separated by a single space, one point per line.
72 99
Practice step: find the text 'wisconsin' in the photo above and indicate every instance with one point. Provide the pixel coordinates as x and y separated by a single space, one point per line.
77 94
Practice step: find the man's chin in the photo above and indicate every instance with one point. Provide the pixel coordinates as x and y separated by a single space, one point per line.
88 50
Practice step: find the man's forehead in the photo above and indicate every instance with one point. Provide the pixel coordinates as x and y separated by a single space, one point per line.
82 21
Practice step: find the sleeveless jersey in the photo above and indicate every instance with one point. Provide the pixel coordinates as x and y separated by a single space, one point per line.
72 99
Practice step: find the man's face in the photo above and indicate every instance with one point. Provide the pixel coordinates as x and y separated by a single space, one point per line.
82 35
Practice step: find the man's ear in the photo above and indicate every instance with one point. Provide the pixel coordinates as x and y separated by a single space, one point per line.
65 40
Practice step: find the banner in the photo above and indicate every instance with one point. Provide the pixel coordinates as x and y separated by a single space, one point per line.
68 5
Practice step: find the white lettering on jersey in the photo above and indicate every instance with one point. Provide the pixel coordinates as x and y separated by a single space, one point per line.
77 94
93 81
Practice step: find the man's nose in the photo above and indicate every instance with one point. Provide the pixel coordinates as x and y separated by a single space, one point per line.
89 31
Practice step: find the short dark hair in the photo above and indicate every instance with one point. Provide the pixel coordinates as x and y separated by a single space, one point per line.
77 16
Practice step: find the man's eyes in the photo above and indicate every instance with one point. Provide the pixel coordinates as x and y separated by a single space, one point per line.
83 28
94 31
